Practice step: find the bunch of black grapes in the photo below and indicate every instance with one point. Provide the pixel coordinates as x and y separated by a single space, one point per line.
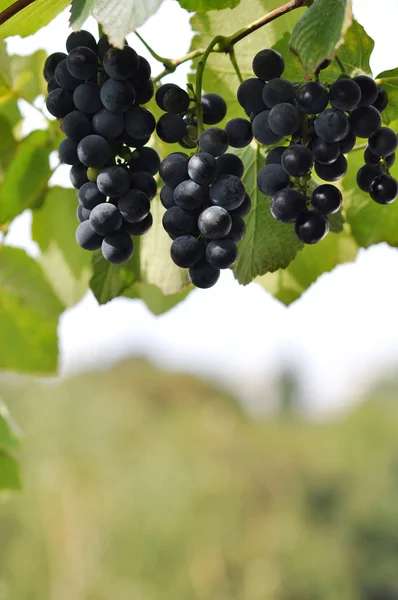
321 123
96 91
205 201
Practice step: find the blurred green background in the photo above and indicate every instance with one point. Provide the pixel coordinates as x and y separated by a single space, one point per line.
141 484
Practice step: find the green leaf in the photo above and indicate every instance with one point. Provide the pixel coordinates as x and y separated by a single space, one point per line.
29 312
206 5
336 222
289 284
8 144
109 281
9 472
388 80
31 18
156 301
293 70
117 17
268 244
9 434
370 222
320 32
26 179
5 74
219 74
67 266
27 75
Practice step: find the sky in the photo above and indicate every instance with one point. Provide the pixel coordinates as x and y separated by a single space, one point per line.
338 336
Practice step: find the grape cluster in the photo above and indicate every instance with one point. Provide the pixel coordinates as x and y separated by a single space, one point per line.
205 201
96 92
322 124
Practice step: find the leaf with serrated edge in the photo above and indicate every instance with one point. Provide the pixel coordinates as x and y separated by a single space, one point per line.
32 18
289 284
320 32
268 245
109 281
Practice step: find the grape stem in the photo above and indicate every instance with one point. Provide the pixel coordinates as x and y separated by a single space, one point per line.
340 64
232 57
14 9
199 79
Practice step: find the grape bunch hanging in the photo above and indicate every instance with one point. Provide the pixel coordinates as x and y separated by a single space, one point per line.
322 124
96 91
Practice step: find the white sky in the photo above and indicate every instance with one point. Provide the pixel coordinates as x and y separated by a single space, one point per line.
339 334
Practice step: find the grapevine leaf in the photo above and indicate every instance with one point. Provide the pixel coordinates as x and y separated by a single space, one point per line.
206 5
9 472
268 244
157 302
336 222
289 284
31 18
9 435
293 70
370 222
26 179
27 75
320 32
8 144
5 75
109 281
67 266
219 74
388 80
117 17
29 312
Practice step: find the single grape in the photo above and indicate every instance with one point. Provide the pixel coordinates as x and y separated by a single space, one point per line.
311 227
68 152
117 96
107 124
189 195
366 175
82 213
131 142
144 92
76 125
239 132
230 164
134 206
333 171
202 168
381 101
105 218
87 238
174 168
214 141
287 205
274 156
144 182
64 79
176 101
92 173
326 199
186 251
345 94
312 97
383 142
297 160
262 130
284 119
243 209
117 248
167 196
81 38
238 229
140 228
82 62
249 95
222 254
94 151
143 73
369 89
171 128
78 176
162 91
332 125
113 181
203 275
120 64
365 121
227 191
177 222
145 159
86 98
268 64
214 108
214 222
51 64
139 122
278 90
347 143
271 179
383 189
325 152
372 159
90 196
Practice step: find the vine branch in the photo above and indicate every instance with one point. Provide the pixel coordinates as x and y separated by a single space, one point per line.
13 10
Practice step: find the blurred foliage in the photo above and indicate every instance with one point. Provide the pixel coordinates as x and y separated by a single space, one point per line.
164 489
